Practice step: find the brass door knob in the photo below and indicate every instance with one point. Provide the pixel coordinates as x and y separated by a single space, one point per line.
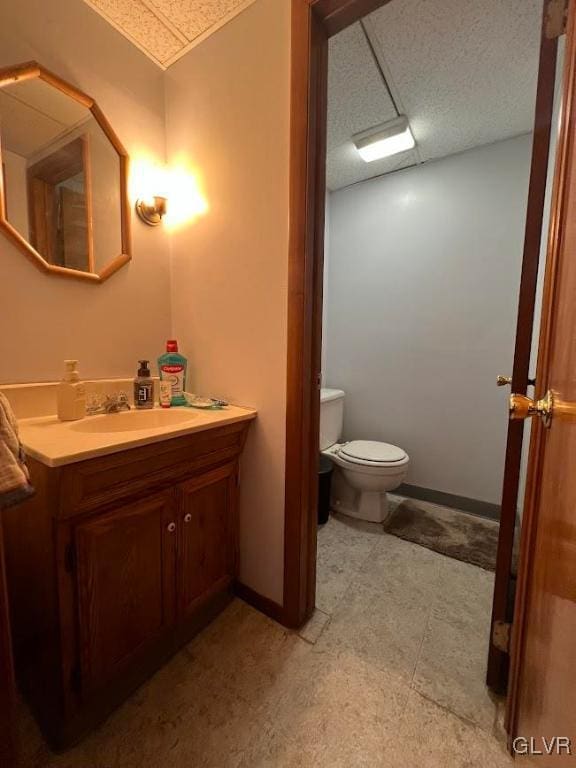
523 407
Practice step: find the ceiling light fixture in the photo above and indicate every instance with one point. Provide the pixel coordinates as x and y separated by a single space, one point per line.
385 140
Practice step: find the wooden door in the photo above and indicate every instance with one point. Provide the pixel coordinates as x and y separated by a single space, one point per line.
542 699
505 583
72 234
207 549
125 562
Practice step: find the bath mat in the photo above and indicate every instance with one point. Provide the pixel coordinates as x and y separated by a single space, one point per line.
448 531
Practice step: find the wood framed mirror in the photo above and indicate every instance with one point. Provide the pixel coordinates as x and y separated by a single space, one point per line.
64 176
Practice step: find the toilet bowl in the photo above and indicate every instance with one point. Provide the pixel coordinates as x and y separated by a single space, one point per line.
365 469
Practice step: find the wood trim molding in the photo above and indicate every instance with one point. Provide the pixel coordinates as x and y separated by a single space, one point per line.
28 71
313 22
336 15
298 561
498 661
265 605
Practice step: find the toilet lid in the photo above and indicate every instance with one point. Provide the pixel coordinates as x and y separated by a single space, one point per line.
372 451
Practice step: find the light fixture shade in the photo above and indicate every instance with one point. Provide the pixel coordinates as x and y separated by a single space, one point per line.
386 140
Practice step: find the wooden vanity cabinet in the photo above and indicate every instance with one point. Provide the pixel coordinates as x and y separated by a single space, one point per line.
116 563
126 561
204 517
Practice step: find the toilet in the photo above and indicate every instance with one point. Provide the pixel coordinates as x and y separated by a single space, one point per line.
365 469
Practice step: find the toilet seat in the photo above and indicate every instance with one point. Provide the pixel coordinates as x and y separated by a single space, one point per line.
371 453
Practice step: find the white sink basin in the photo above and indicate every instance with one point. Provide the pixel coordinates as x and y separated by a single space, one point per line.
56 443
131 421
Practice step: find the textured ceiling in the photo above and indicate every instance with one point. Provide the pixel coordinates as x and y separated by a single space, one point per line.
463 71
166 29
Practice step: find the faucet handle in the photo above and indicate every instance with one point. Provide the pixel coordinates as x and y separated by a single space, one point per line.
123 401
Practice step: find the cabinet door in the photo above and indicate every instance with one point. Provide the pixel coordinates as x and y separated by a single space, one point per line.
7 686
126 585
207 548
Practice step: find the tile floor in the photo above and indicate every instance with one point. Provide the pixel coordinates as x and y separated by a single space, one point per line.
389 672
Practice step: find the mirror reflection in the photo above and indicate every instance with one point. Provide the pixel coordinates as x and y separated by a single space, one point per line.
62 177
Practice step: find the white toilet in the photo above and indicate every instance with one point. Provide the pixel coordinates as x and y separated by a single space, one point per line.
365 470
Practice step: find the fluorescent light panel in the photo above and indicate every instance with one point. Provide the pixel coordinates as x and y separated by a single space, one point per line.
389 139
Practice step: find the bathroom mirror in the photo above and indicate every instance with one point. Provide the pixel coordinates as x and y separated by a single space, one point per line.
63 185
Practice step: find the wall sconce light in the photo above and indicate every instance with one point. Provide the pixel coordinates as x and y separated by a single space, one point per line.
151 211
167 194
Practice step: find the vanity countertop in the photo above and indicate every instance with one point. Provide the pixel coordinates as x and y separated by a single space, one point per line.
56 443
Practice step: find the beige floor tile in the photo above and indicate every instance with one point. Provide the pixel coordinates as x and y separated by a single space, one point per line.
383 631
383 615
451 670
313 628
431 737
185 716
402 571
465 593
343 547
340 711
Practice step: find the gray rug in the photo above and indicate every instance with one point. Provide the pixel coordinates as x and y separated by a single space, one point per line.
450 532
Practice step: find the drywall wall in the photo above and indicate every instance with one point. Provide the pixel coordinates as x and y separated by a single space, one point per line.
423 279
45 318
227 114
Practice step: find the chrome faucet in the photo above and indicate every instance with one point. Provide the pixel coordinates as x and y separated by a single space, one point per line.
113 403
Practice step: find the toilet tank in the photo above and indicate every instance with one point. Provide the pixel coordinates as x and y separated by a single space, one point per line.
331 416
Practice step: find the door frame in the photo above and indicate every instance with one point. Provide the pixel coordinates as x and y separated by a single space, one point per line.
558 219
502 611
313 23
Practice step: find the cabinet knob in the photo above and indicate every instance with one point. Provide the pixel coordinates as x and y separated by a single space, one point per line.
171 527
188 517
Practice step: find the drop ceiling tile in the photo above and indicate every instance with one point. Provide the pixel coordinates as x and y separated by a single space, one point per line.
195 17
357 97
463 71
466 70
135 20
357 100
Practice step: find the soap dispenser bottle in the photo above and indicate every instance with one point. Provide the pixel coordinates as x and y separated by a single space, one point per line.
71 395
143 387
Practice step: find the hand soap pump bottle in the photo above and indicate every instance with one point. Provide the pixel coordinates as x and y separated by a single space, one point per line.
172 367
143 387
71 395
